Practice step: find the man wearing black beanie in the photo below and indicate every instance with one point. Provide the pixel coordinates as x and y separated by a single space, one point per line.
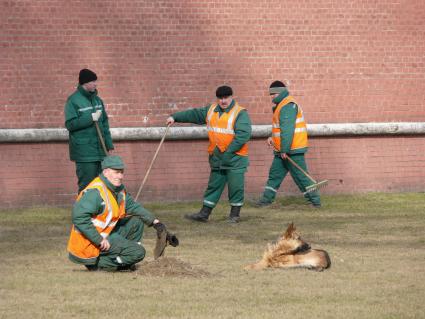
289 139
229 130
83 109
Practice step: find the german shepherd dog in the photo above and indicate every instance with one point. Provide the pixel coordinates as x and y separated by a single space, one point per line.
290 251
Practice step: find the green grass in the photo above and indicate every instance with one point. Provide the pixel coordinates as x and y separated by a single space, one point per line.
376 243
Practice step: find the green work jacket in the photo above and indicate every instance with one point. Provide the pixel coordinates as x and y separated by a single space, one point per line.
84 143
228 159
287 118
91 204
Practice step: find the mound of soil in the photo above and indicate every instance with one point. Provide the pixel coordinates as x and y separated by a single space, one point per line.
169 267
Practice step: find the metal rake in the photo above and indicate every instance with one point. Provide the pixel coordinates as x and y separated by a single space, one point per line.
316 185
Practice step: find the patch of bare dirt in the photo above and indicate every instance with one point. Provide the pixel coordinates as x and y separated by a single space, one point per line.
170 267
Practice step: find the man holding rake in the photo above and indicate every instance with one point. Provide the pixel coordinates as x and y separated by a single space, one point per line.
289 141
229 130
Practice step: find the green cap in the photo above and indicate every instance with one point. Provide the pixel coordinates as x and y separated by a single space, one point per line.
113 161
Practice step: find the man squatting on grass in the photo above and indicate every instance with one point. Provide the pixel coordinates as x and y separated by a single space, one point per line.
229 130
289 139
83 109
108 224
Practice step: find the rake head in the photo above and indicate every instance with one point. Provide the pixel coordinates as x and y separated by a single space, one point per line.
316 186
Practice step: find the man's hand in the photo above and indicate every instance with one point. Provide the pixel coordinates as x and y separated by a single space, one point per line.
96 115
104 245
159 227
270 142
172 239
170 121
284 156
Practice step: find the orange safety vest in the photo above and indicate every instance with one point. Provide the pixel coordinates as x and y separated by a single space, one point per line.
221 129
300 134
78 244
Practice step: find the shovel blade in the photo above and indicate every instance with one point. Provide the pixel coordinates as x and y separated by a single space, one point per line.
161 242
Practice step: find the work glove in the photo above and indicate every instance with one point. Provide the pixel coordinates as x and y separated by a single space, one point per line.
159 227
172 239
96 115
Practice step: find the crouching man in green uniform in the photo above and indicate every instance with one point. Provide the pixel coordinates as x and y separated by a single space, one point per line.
289 139
229 130
83 109
108 224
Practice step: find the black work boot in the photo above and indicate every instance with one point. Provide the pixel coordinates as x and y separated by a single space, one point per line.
234 214
202 216
262 202
127 268
92 267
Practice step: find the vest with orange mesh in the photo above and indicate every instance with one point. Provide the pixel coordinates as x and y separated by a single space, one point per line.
78 245
300 134
221 129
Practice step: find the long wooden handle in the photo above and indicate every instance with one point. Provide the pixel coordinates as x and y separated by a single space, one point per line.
153 160
99 134
299 167
295 164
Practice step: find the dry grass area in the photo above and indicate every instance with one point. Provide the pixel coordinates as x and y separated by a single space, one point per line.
375 241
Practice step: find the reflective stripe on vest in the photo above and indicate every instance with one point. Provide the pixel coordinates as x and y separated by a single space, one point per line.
78 244
221 130
299 139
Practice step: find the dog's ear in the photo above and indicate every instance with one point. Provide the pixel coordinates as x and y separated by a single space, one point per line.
289 230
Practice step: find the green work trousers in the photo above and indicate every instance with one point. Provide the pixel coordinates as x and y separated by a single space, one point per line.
126 248
235 180
86 172
279 169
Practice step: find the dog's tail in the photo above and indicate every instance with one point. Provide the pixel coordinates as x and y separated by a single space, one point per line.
328 259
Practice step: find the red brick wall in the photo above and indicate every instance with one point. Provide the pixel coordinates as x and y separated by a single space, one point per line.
41 173
345 61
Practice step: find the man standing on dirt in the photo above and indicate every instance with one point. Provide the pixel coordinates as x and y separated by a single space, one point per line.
229 130
108 224
83 111
289 139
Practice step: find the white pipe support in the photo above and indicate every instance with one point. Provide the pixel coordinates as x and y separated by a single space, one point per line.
199 132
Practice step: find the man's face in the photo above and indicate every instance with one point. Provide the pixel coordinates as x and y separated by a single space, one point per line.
273 96
114 176
224 102
90 86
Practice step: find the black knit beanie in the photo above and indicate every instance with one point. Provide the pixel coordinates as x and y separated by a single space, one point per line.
223 91
86 76
277 87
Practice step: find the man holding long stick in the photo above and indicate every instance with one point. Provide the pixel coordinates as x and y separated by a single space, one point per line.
88 126
229 130
289 141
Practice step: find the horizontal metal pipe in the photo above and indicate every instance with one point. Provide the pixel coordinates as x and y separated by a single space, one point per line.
199 132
